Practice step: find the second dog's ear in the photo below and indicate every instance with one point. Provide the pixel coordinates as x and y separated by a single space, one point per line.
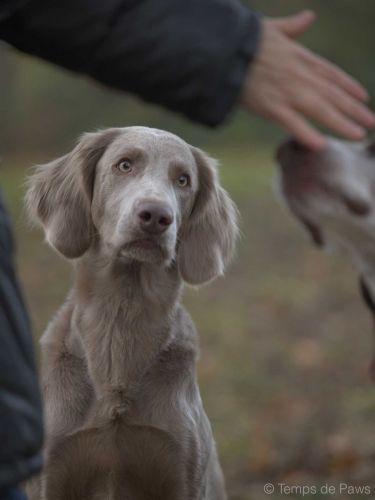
209 239
60 192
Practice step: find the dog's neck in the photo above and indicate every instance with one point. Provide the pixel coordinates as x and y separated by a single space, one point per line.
130 286
125 309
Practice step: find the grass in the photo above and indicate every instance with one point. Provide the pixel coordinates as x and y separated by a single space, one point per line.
285 342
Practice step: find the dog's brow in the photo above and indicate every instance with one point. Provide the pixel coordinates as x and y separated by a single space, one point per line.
131 152
179 166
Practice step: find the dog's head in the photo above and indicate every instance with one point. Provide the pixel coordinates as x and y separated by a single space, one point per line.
137 194
331 192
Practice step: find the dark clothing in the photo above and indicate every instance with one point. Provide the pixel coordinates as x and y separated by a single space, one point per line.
20 405
188 55
12 493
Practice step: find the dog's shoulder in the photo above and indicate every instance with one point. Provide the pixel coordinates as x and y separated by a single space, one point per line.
59 327
59 340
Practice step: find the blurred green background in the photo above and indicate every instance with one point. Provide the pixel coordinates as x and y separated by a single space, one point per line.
286 342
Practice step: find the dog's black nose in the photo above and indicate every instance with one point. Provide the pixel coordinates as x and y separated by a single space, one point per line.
154 217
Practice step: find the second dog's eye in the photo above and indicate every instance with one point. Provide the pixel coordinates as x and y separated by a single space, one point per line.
125 166
183 180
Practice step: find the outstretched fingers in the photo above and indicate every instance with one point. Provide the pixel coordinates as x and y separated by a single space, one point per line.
296 25
299 128
320 66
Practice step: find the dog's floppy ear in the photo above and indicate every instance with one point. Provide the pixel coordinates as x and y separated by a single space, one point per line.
208 240
60 192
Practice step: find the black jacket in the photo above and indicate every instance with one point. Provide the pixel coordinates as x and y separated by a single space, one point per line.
20 406
188 55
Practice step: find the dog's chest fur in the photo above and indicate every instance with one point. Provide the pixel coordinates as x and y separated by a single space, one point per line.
109 330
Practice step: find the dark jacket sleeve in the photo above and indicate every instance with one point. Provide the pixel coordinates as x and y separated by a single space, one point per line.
188 55
9 7
20 402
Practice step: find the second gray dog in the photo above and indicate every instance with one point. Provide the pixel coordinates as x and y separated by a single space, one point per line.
332 192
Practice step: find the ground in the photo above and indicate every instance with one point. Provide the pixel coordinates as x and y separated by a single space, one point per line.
285 344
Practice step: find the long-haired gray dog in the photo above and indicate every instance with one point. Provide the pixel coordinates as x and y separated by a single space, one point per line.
142 212
332 192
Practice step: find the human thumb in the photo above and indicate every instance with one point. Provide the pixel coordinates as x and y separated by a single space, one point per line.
296 25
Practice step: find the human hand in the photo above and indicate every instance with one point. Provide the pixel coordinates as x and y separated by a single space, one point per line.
287 82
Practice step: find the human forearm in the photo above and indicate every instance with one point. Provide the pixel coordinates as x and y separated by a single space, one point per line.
191 57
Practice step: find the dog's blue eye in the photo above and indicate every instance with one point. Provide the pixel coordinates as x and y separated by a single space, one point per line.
125 166
183 180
